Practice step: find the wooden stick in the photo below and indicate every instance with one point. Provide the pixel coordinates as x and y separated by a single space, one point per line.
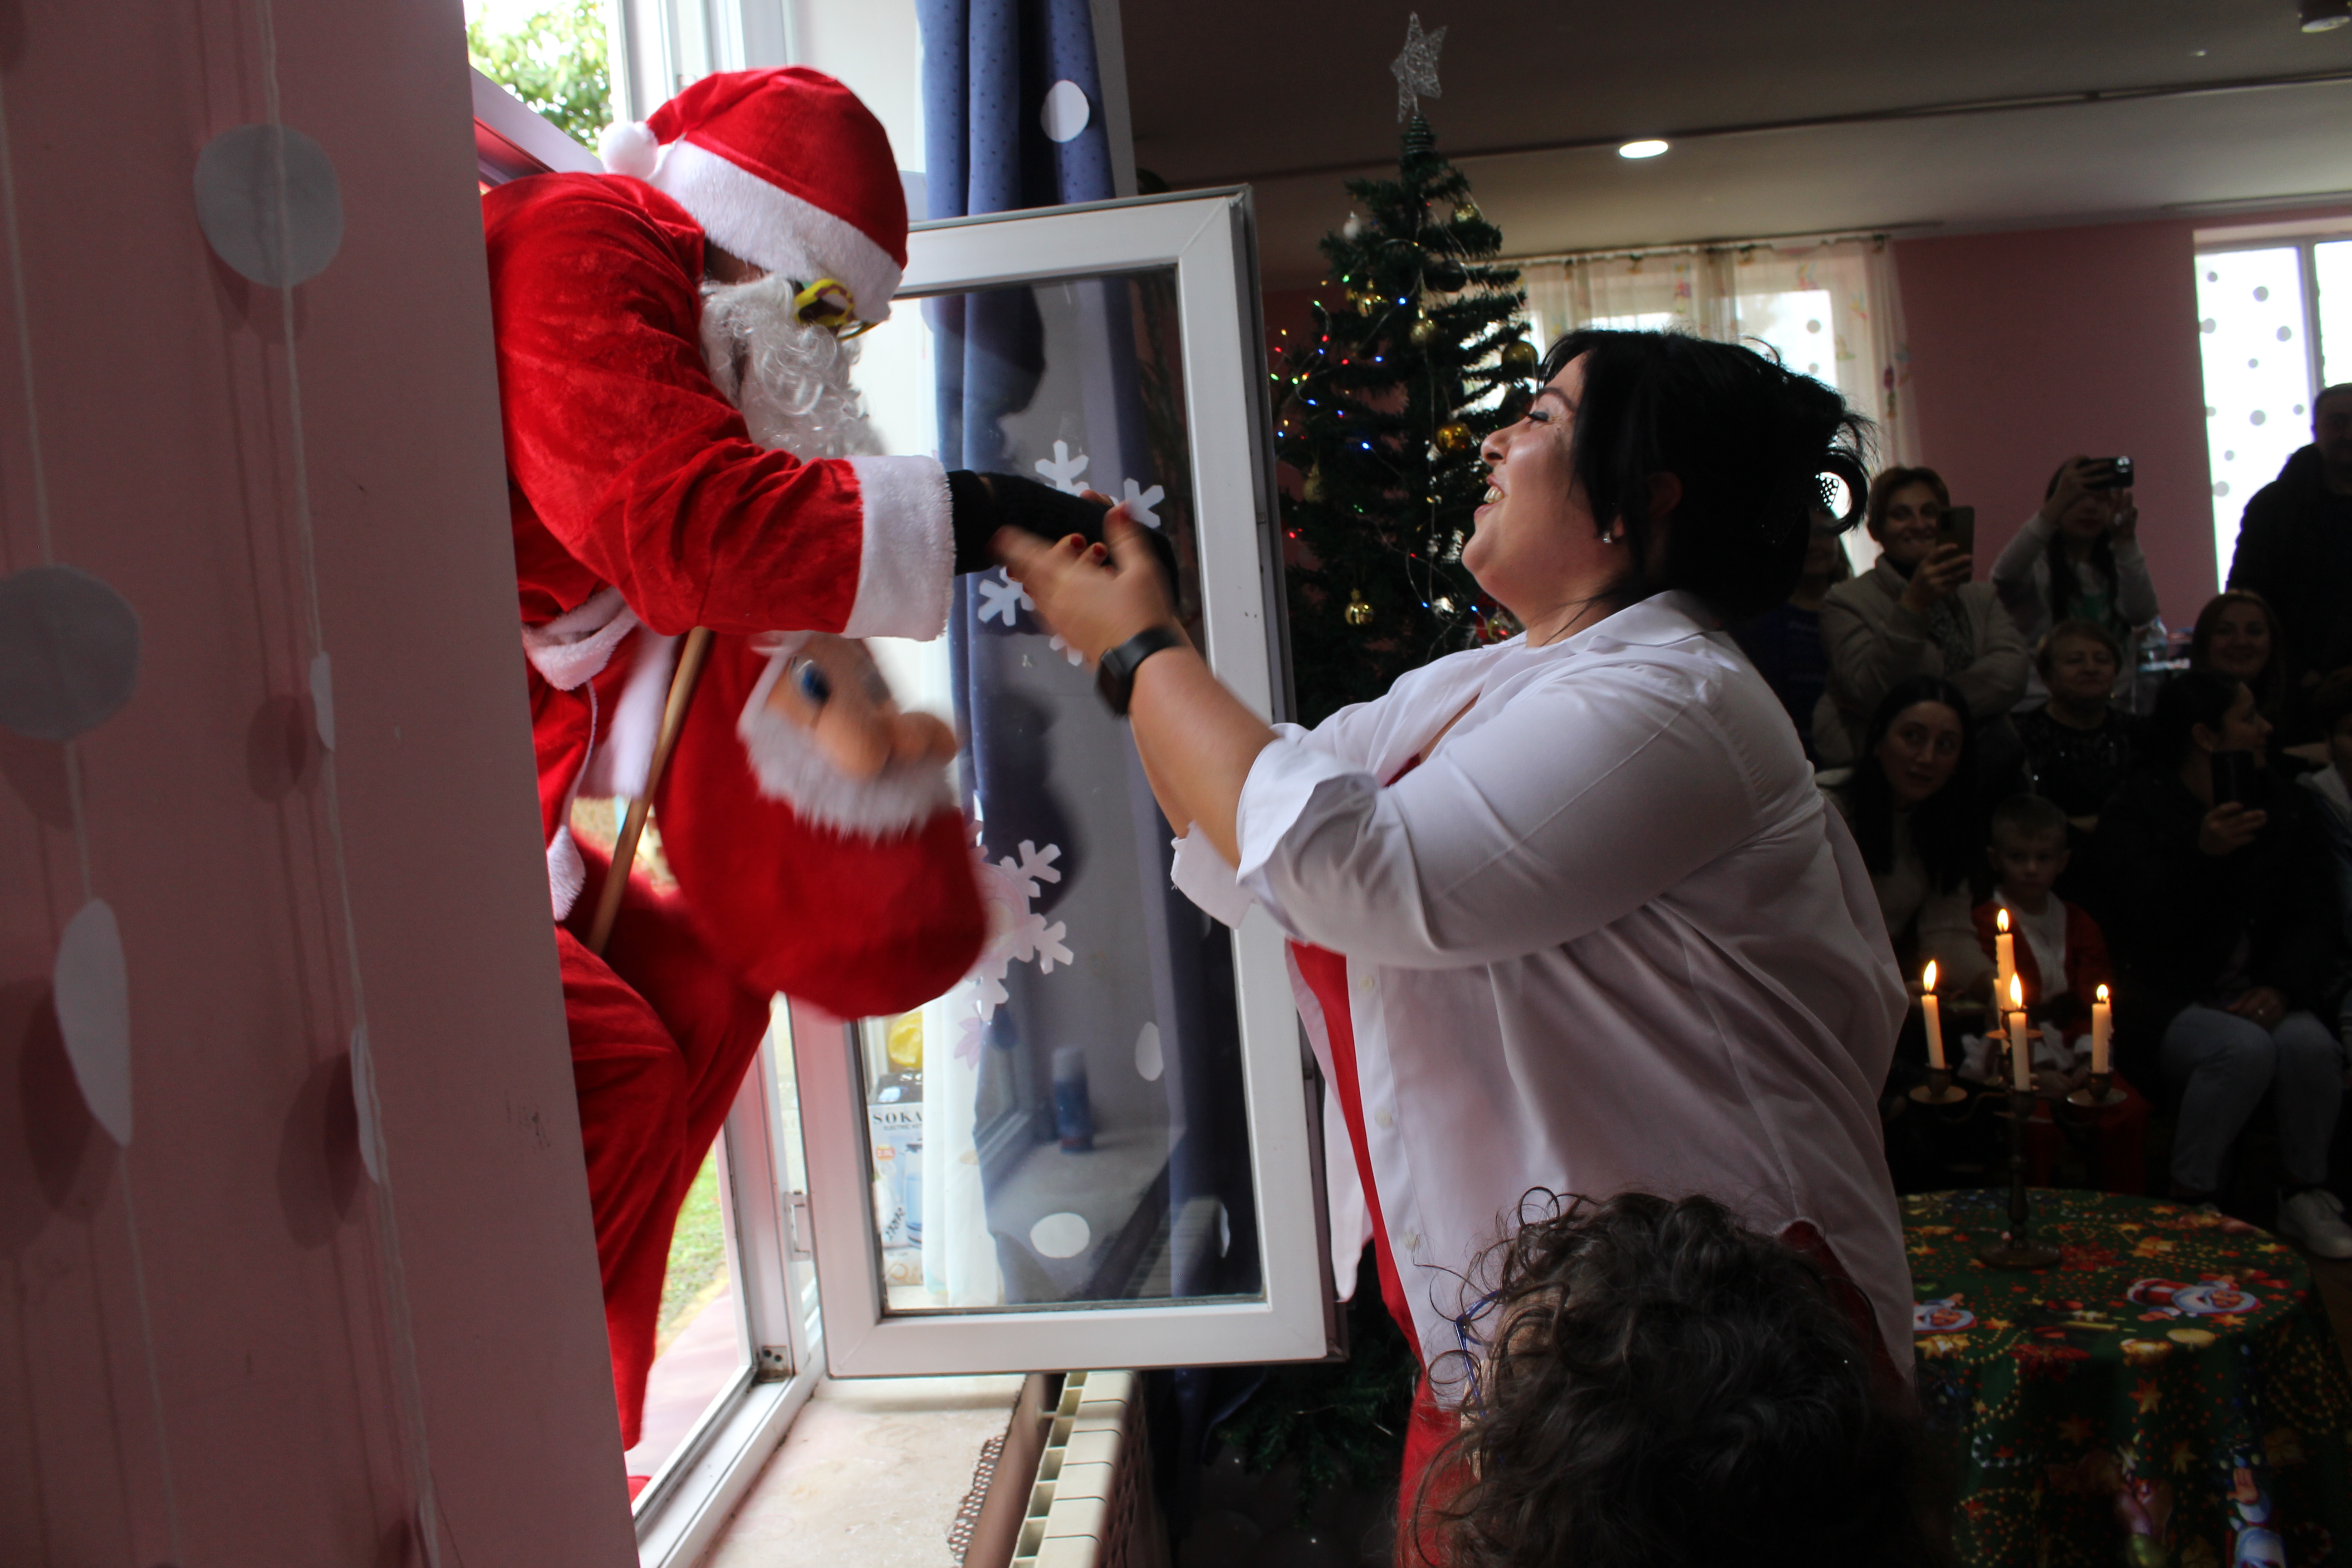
633 827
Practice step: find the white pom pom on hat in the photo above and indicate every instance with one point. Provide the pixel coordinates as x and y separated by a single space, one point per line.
630 149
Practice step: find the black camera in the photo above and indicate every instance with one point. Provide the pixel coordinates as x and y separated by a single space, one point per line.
2115 476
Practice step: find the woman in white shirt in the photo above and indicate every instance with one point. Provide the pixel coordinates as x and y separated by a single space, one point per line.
1567 912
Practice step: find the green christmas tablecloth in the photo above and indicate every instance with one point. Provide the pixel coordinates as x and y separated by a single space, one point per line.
2170 1393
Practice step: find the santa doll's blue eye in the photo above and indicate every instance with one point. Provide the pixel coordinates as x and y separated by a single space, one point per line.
812 683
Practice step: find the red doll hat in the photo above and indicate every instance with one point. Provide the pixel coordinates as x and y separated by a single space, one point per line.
785 168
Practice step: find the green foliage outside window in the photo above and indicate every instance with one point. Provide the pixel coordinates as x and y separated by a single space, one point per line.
555 60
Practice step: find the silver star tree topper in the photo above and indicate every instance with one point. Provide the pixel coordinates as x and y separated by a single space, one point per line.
1416 69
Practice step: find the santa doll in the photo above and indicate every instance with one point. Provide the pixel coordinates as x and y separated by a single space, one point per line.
689 466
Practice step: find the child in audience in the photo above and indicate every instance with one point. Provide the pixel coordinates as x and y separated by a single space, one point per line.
2079 744
1649 1381
2062 958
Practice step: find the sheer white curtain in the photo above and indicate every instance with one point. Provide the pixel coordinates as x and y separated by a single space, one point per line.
1831 310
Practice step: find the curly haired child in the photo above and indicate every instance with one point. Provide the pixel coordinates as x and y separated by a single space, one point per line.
1650 1383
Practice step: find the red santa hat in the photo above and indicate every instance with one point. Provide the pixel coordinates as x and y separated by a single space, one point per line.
785 168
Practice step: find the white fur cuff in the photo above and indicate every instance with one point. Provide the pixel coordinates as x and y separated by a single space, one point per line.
788 766
905 560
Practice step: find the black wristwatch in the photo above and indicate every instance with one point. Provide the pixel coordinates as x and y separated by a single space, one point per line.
1115 677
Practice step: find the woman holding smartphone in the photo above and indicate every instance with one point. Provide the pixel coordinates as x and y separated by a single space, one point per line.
2079 559
2222 925
1915 613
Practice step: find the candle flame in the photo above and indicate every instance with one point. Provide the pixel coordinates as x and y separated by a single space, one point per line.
2001 920
1927 980
2016 993
2102 993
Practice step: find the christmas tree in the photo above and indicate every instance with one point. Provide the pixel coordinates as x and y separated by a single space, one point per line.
1417 354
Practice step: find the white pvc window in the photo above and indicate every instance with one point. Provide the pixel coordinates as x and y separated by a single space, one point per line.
1095 1152
2268 316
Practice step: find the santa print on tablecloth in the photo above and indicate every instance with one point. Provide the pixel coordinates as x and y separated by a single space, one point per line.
684 450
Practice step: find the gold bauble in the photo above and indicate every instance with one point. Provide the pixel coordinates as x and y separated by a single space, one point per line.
1519 356
1465 211
1424 332
1315 489
1358 613
1453 438
1366 301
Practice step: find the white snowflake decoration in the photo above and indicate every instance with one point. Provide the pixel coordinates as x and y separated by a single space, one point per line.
1016 933
1002 597
1139 503
1065 649
1062 471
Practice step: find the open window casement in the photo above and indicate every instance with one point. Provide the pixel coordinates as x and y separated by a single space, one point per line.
1095 1151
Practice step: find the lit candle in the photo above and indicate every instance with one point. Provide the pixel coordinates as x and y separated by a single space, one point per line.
2021 1045
1932 1005
2004 954
2102 1024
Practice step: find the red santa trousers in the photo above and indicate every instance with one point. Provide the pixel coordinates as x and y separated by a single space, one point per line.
661 1036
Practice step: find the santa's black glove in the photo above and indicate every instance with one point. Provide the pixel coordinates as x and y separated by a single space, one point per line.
978 507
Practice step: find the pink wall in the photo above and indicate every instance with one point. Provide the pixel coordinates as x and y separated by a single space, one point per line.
200 1360
2029 346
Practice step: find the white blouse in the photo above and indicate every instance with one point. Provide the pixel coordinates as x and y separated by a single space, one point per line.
1606 938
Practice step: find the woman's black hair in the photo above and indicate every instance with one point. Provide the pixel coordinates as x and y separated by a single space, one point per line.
2062 586
1748 439
2191 697
1945 827
1654 1385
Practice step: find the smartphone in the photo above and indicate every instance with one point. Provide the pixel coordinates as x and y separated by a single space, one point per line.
1958 526
2117 474
2233 778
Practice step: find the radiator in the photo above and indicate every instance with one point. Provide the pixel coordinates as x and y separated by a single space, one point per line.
1090 1505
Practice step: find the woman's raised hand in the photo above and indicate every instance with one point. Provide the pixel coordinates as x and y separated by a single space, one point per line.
1945 570
2229 828
1092 597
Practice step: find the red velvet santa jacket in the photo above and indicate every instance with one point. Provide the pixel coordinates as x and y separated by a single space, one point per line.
2088 968
641 508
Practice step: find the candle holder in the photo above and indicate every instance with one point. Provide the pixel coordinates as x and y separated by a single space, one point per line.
2098 1094
1939 1088
2016 1249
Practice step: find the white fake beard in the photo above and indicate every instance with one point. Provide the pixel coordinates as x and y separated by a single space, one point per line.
790 378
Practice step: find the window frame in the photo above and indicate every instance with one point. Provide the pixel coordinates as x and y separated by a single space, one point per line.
1206 238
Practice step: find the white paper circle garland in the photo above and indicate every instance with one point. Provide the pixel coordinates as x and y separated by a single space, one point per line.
91 991
1065 112
68 652
364 1101
1148 1060
270 242
1063 1234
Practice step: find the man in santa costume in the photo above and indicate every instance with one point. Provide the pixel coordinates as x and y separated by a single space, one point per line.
685 450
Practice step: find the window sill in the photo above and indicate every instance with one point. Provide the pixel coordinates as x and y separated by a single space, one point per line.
872 1471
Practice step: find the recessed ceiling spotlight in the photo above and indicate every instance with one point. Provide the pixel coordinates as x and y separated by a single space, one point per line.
2323 16
1651 147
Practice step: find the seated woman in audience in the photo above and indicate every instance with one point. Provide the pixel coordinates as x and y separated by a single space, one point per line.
2079 746
1784 643
1912 803
2078 559
2237 633
2224 933
1651 1381
1915 613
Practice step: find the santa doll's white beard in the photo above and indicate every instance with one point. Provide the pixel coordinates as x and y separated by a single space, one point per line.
791 379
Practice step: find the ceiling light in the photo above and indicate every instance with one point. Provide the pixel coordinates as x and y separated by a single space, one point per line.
1652 147
2321 16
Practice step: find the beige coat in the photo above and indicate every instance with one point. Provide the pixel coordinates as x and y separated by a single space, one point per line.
1874 644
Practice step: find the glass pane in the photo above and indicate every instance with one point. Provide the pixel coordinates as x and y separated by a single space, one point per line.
2257 376
2331 270
1066 1125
